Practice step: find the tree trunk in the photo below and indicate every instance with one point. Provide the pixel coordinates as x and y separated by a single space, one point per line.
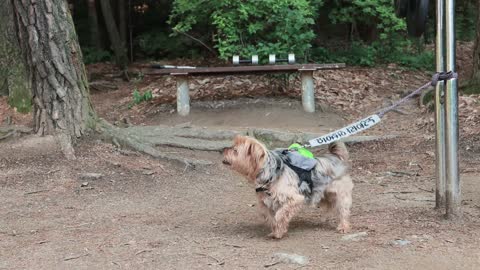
122 21
475 79
118 46
95 38
60 89
14 79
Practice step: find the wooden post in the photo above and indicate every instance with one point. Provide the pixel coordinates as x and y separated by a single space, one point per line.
183 95
308 90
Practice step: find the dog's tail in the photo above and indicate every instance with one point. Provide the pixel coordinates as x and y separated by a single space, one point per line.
339 149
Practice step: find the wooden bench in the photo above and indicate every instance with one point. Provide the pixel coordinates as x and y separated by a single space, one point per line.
182 74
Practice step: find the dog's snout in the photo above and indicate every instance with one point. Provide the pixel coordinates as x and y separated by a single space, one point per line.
225 153
226 162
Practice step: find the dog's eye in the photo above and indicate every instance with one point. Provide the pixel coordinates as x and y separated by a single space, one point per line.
235 151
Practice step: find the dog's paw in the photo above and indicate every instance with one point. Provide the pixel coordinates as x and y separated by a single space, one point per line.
344 228
275 236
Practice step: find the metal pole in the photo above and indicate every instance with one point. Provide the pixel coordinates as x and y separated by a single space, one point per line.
453 199
308 90
183 95
440 108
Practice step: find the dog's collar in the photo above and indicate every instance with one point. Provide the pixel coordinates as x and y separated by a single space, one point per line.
264 190
278 169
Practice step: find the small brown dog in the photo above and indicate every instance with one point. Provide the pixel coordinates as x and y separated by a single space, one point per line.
280 190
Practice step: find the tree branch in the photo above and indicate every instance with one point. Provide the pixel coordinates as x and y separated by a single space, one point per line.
197 40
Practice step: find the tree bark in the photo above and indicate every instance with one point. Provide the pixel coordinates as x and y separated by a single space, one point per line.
95 38
475 79
122 21
14 77
61 99
117 45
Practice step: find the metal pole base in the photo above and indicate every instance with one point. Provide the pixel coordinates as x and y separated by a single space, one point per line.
453 194
440 146
440 109
453 197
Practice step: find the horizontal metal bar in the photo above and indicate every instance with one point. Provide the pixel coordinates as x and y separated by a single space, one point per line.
243 69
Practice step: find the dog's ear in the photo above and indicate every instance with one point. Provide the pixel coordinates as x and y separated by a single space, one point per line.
254 150
239 139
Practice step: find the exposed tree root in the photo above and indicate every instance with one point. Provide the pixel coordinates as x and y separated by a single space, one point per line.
9 134
10 131
65 143
125 139
103 86
145 138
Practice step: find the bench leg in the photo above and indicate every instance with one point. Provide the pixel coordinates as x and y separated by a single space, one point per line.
308 91
183 95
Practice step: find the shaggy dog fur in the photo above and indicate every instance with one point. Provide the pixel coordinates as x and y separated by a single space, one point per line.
279 192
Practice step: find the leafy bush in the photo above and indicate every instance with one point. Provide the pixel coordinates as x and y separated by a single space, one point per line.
139 97
423 60
471 88
250 26
465 20
157 43
360 54
92 55
374 15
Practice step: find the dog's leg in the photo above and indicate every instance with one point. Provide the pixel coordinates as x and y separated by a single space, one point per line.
266 212
327 207
343 203
283 216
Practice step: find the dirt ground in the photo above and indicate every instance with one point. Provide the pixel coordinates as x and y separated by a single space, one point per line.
142 213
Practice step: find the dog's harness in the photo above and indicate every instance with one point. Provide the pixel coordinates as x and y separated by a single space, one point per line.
302 165
303 175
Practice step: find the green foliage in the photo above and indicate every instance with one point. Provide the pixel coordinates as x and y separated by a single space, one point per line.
360 54
423 60
376 17
22 104
376 22
428 100
139 97
472 88
92 55
361 32
374 13
466 20
153 43
250 26
157 43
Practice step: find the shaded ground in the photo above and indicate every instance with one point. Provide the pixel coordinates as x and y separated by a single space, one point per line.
269 113
143 213
146 214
